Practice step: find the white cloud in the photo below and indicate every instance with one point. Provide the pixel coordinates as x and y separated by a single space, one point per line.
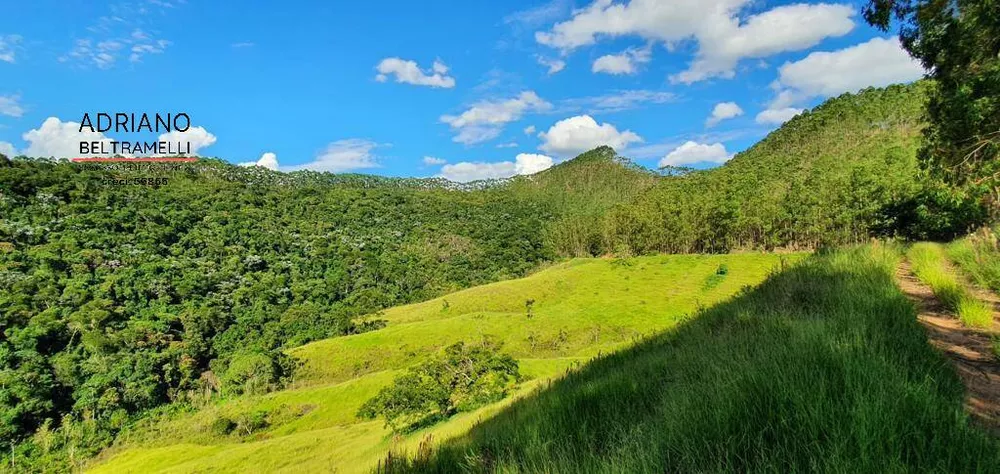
581 133
877 62
145 45
507 145
618 101
9 106
198 138
724 37
531 163
104 54
777 116
723 111
540 15
691 152
524 163
267 160
408 72
433 161
59 139
8 44
243 44
529 130
343 155
485 120
554 65
626 62
466 171
7 149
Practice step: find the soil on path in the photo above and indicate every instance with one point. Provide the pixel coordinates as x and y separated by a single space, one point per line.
969 350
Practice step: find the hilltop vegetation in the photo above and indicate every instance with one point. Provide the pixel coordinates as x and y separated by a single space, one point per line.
116 300
840 173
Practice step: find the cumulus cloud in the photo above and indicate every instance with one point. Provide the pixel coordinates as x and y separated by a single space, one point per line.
578 134
343 155
433 161
9 106
531 163
529 130
408 72
198 138
877 62
7 149
554 65
8 43
723 111
777 116
723 35
524 163
267 160
626 62
59 139
691 152
485 120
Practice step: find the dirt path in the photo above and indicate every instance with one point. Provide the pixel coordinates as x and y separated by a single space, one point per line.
971 351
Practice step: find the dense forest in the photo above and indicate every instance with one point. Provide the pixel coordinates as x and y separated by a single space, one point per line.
115 300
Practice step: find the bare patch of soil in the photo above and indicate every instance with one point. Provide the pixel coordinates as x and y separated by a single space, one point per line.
970 350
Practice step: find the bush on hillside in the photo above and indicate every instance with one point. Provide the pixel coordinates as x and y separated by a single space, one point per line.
462 378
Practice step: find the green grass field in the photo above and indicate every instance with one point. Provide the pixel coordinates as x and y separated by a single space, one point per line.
581 308
823 368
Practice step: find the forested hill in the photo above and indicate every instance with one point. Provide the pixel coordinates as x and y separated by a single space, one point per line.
115 300
839 173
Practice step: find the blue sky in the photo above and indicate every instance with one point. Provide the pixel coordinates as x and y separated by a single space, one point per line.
463 89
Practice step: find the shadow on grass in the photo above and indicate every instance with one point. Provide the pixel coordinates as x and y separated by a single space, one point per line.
823 367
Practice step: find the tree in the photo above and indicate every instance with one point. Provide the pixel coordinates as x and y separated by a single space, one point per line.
462 378
959 43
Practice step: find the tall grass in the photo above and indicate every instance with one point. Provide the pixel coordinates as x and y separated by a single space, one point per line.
821 368
929 263
978 255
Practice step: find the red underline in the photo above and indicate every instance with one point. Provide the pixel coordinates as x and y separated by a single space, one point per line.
135 160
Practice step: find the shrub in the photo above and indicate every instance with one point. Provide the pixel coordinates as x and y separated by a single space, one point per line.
254 372
462 378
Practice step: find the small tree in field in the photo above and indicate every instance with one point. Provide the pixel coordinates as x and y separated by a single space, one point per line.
461 378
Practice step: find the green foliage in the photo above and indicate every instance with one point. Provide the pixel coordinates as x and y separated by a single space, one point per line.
254 372
978 255
958 42
464 377
823 368
839 173
116 300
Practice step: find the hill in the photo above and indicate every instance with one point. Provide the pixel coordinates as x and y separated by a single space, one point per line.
839 173
120 301
823 368
580 308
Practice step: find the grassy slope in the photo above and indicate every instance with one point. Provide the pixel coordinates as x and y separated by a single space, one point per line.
821 368
581 307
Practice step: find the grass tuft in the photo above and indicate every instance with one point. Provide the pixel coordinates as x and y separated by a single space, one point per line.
930 264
